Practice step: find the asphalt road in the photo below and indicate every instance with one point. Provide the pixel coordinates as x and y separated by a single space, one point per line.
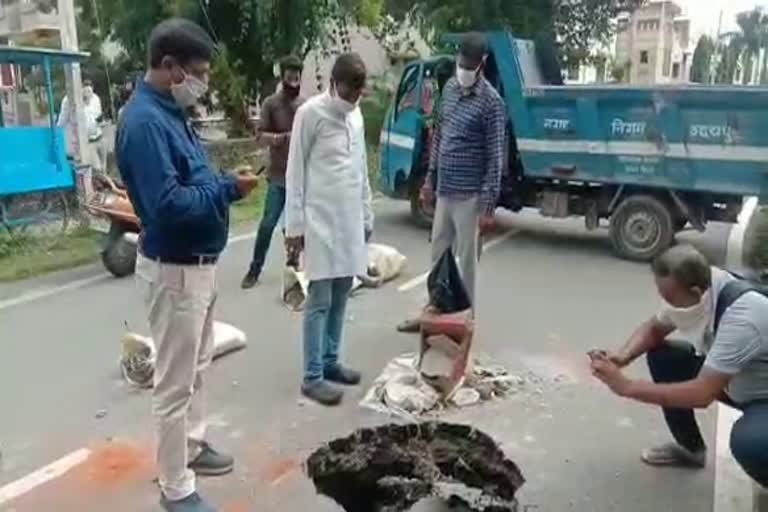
547 293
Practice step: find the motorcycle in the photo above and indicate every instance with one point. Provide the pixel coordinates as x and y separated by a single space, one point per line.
112 214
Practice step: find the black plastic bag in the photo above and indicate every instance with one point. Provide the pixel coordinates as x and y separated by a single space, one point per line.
447 292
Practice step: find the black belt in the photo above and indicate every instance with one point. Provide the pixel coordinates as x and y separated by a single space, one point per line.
186 260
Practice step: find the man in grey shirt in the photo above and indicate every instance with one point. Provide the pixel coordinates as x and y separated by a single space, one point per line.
726 361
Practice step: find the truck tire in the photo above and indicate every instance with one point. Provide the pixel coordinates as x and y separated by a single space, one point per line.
421 216
119 256
641 228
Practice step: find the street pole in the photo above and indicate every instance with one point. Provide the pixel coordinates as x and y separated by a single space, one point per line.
69 42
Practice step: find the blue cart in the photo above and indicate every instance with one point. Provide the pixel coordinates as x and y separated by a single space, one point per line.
36 178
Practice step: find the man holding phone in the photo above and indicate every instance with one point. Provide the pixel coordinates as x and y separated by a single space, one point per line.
183 205
726 321
276 122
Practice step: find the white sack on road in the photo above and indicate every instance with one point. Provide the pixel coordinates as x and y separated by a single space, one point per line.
137 360
385 263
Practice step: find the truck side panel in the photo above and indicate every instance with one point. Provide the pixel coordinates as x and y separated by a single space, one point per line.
694 140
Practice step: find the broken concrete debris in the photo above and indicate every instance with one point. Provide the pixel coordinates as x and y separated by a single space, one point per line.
392 467
402 390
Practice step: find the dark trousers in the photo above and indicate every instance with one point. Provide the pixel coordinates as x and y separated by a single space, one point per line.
678 362
273 208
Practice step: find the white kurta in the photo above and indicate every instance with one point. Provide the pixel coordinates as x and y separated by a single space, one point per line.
328 199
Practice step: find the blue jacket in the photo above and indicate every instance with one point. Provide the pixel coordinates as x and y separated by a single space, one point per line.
182 202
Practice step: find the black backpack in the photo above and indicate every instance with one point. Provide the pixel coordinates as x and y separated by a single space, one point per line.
732 292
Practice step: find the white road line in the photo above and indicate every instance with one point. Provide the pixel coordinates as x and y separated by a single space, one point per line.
48 292
43 475
421 279
733 488
44 293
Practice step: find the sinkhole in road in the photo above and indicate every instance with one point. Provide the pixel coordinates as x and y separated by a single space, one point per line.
392 467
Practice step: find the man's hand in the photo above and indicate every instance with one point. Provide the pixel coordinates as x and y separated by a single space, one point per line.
427 196
294 244
487 224
610 374
293 248
246 182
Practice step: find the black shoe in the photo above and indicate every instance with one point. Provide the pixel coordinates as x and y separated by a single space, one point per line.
249 281
322 393
192 503
341 375
211 463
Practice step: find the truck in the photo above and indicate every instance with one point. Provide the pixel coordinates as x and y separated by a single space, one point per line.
650 160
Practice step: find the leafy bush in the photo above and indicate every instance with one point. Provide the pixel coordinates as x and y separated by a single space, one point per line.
375 106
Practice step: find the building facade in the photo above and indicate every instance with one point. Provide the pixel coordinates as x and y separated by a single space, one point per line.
23 23
654 46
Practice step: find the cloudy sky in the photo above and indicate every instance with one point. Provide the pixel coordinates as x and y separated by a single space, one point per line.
704 14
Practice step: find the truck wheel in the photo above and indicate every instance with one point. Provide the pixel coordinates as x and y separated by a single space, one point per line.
119 257
421 216
641 228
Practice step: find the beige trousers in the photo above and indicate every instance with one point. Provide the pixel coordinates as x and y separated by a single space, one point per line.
456 226
180 303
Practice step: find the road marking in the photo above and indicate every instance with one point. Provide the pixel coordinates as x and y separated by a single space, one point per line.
421 279
733 488
44 293
48 292
43 475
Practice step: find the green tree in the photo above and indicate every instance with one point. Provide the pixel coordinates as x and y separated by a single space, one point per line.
750 39
701 68
252 34
577 25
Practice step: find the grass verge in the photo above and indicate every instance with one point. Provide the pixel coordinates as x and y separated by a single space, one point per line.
26 257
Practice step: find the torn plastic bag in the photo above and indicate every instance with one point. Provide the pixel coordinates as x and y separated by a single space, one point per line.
295 288
447 293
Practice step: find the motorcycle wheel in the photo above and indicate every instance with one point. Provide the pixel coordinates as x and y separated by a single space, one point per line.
119 256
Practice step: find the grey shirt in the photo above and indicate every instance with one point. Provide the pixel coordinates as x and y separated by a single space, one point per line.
740 347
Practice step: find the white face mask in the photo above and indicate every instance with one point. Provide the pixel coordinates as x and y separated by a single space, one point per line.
342 105
693 320
189 91
466 77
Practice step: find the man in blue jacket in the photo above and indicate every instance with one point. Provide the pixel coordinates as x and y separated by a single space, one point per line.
183 205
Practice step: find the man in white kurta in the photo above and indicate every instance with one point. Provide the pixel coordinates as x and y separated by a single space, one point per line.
328 215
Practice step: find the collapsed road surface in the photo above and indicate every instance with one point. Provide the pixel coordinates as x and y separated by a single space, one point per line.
392 467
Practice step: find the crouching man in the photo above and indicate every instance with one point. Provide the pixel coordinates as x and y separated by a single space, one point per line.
728 321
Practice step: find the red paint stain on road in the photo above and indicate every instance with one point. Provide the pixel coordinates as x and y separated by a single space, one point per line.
115 464
237 506
281 469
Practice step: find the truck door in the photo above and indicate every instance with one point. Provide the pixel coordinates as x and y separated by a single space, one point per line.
401 136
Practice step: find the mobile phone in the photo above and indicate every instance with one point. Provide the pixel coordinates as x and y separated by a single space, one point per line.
597 354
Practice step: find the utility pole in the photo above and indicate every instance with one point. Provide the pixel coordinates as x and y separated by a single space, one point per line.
74 79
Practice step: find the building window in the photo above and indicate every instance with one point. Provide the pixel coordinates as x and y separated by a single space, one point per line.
644 57
667 68
676 70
